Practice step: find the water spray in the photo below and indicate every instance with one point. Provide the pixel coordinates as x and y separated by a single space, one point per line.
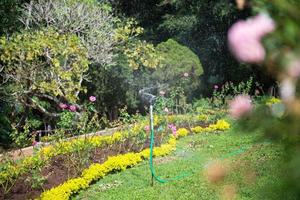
150 98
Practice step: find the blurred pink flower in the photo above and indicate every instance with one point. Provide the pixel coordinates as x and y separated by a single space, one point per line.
216 86
92 98
244 38
63 106
293 69
162 93
166 110
34 143
186 74
240 106
72 108
147 128
287 89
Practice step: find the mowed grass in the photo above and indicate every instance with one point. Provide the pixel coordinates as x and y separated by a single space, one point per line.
251 168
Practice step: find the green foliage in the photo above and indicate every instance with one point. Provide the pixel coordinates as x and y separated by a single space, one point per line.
138 53
229 90
10 11
5 127
178 60
36 180
90 20
21 138
43 65
162 103
66 120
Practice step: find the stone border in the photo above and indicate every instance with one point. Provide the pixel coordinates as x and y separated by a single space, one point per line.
28 151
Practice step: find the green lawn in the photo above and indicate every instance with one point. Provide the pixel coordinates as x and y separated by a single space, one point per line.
249 172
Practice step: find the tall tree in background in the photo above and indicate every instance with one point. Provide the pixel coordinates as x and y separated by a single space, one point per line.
201 25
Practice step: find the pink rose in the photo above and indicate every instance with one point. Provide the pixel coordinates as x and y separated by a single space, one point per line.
216 87
244 38
63 106
92 98
240 106
72 108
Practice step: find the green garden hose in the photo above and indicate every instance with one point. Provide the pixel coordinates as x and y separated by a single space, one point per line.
183 175
153 175
150 98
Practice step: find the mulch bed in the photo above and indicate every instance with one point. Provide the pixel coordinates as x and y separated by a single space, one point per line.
58 170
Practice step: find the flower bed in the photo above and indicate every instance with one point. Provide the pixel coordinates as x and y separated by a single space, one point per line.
45 160
11 170
119 163
97 171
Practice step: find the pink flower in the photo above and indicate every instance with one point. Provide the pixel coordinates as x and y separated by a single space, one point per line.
240 106
166 110
244 38
162 93
216 87
170 126
174 133
92 98
34 143
173 129
186 74
63 106
72 108
293 69
147 128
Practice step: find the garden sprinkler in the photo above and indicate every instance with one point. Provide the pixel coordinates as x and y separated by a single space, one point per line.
150 98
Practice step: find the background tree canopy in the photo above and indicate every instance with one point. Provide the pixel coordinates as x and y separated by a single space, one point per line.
177 61
64 51
202 26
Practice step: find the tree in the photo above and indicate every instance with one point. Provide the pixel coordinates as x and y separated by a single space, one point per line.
202 26
117 86
179 66
88 19
41 67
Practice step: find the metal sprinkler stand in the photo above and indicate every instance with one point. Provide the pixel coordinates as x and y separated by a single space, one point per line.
150 98
151 132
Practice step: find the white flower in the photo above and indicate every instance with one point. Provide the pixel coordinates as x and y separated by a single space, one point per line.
287 89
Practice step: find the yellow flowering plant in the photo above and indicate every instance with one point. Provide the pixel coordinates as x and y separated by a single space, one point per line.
121 162
97 171
11 171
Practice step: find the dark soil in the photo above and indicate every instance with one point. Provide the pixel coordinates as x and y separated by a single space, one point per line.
62 168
